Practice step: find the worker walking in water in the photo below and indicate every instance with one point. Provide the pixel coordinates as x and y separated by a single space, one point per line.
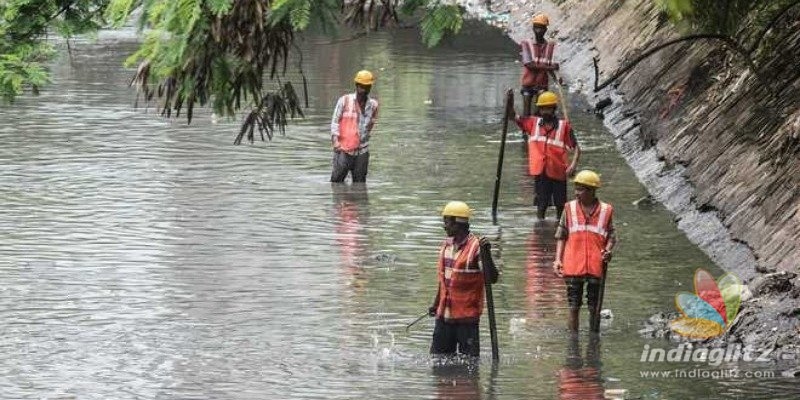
585 241
353 119
550 140
459 301
537 61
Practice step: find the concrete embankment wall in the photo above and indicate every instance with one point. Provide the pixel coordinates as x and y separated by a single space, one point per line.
718 147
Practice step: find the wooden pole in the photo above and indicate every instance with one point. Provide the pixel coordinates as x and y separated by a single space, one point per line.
416 320
556 80
499 174
595 322
485 262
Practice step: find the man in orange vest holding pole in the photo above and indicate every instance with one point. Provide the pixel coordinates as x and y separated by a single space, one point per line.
585 241
550 140
459 300
537 61
353 119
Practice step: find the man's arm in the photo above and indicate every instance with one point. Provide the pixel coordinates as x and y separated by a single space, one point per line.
432 309
557 267
534 66
523 123
561 239
610 243
576 156
373 119
337 116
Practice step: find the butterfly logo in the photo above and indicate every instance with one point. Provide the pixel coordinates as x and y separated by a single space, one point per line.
709 311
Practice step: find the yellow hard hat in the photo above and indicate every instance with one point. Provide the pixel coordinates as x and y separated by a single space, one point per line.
547 99
540 19
364 77
587 178
457 209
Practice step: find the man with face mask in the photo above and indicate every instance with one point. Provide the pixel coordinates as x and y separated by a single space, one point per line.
459 301
550 140
585 241
353 119
537 61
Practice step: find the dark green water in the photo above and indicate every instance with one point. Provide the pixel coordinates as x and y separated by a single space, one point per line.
144 258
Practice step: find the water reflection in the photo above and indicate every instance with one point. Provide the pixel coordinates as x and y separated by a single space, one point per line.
545 292
457 381
351 208
580 378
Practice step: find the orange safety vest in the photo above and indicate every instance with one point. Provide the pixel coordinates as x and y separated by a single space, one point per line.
349 137
583 253
461 283
531 52
547 154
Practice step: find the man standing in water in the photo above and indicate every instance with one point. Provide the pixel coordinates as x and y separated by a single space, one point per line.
459 300
353 119
550 139
585 241
537 61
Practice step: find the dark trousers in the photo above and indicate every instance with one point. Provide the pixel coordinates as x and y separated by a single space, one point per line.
451 337
549 192
575 291
344 163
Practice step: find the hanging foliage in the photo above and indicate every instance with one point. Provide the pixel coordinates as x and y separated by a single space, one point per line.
23 24
229 55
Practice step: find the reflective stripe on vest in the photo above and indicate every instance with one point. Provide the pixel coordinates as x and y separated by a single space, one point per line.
557 141
548 155
460 287
547 57
349 136
599 228
531 52
583 251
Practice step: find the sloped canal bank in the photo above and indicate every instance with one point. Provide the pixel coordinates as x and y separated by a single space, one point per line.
708 140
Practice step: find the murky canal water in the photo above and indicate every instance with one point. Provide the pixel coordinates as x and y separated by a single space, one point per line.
144 258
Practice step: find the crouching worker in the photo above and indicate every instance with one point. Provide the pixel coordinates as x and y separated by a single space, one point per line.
585 238
459 300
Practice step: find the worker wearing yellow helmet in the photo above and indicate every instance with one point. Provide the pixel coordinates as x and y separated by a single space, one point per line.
550 140
351 126
586 239
537 61
459 301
